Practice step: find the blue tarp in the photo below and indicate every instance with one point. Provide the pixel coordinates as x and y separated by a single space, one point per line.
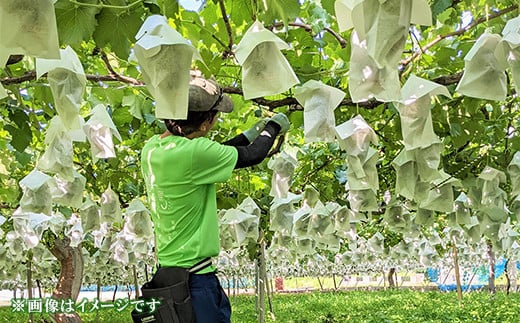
480 279
120 288
453 287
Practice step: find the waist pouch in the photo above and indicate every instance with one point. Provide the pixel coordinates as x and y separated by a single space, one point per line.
170 286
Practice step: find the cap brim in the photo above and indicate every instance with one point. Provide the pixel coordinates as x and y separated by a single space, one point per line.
206 95
226 105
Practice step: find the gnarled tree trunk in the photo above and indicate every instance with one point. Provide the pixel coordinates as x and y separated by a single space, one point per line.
508 279
71 276
391 281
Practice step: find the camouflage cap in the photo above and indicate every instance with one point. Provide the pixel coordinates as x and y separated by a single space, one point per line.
207 95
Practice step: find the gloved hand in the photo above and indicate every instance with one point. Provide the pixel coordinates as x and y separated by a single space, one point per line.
282 120
252 133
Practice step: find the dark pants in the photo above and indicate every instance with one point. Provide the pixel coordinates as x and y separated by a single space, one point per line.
210 303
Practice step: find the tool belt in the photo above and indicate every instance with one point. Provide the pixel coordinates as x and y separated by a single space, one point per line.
170 286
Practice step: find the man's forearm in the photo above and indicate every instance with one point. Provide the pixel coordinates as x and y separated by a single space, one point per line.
254 153
239 140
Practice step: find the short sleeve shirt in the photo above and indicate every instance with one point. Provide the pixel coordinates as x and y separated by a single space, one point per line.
180 176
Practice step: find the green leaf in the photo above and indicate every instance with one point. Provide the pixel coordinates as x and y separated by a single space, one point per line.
284 10
20 138
109 96
301 38
169 8
226 203
44 94
149 118
296 119
130 188
319 18
152 6
189 28
515 144
447 16
241 11
23 158
118 28
439 6
9 193
256 182
122 116
137 105
328 5
20 118
455 129
445 54
66 211
75 23
21 135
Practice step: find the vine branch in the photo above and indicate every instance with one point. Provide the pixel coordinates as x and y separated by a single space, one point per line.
459 32
229 51
31 76
221 43
7 207
271 104
113 74
308 28
108 6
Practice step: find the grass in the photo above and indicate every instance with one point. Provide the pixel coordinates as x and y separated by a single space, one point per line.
350 306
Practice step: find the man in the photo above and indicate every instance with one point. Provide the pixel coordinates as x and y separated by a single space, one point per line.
180 168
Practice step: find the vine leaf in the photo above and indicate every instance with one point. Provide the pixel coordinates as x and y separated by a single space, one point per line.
75 23
118 28
287 10
137 106
169 8
440 5
21 137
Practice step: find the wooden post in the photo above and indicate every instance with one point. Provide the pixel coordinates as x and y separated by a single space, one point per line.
98 289
263 285
268 285
29 281
136 283
446 277
512 274
470 281
402 280
491 278
261 294
319 282
457 271
257 303
114 295
236 286
228 285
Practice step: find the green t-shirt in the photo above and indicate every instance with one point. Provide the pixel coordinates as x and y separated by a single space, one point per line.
180 176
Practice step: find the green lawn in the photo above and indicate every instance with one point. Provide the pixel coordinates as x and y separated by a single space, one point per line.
352 306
